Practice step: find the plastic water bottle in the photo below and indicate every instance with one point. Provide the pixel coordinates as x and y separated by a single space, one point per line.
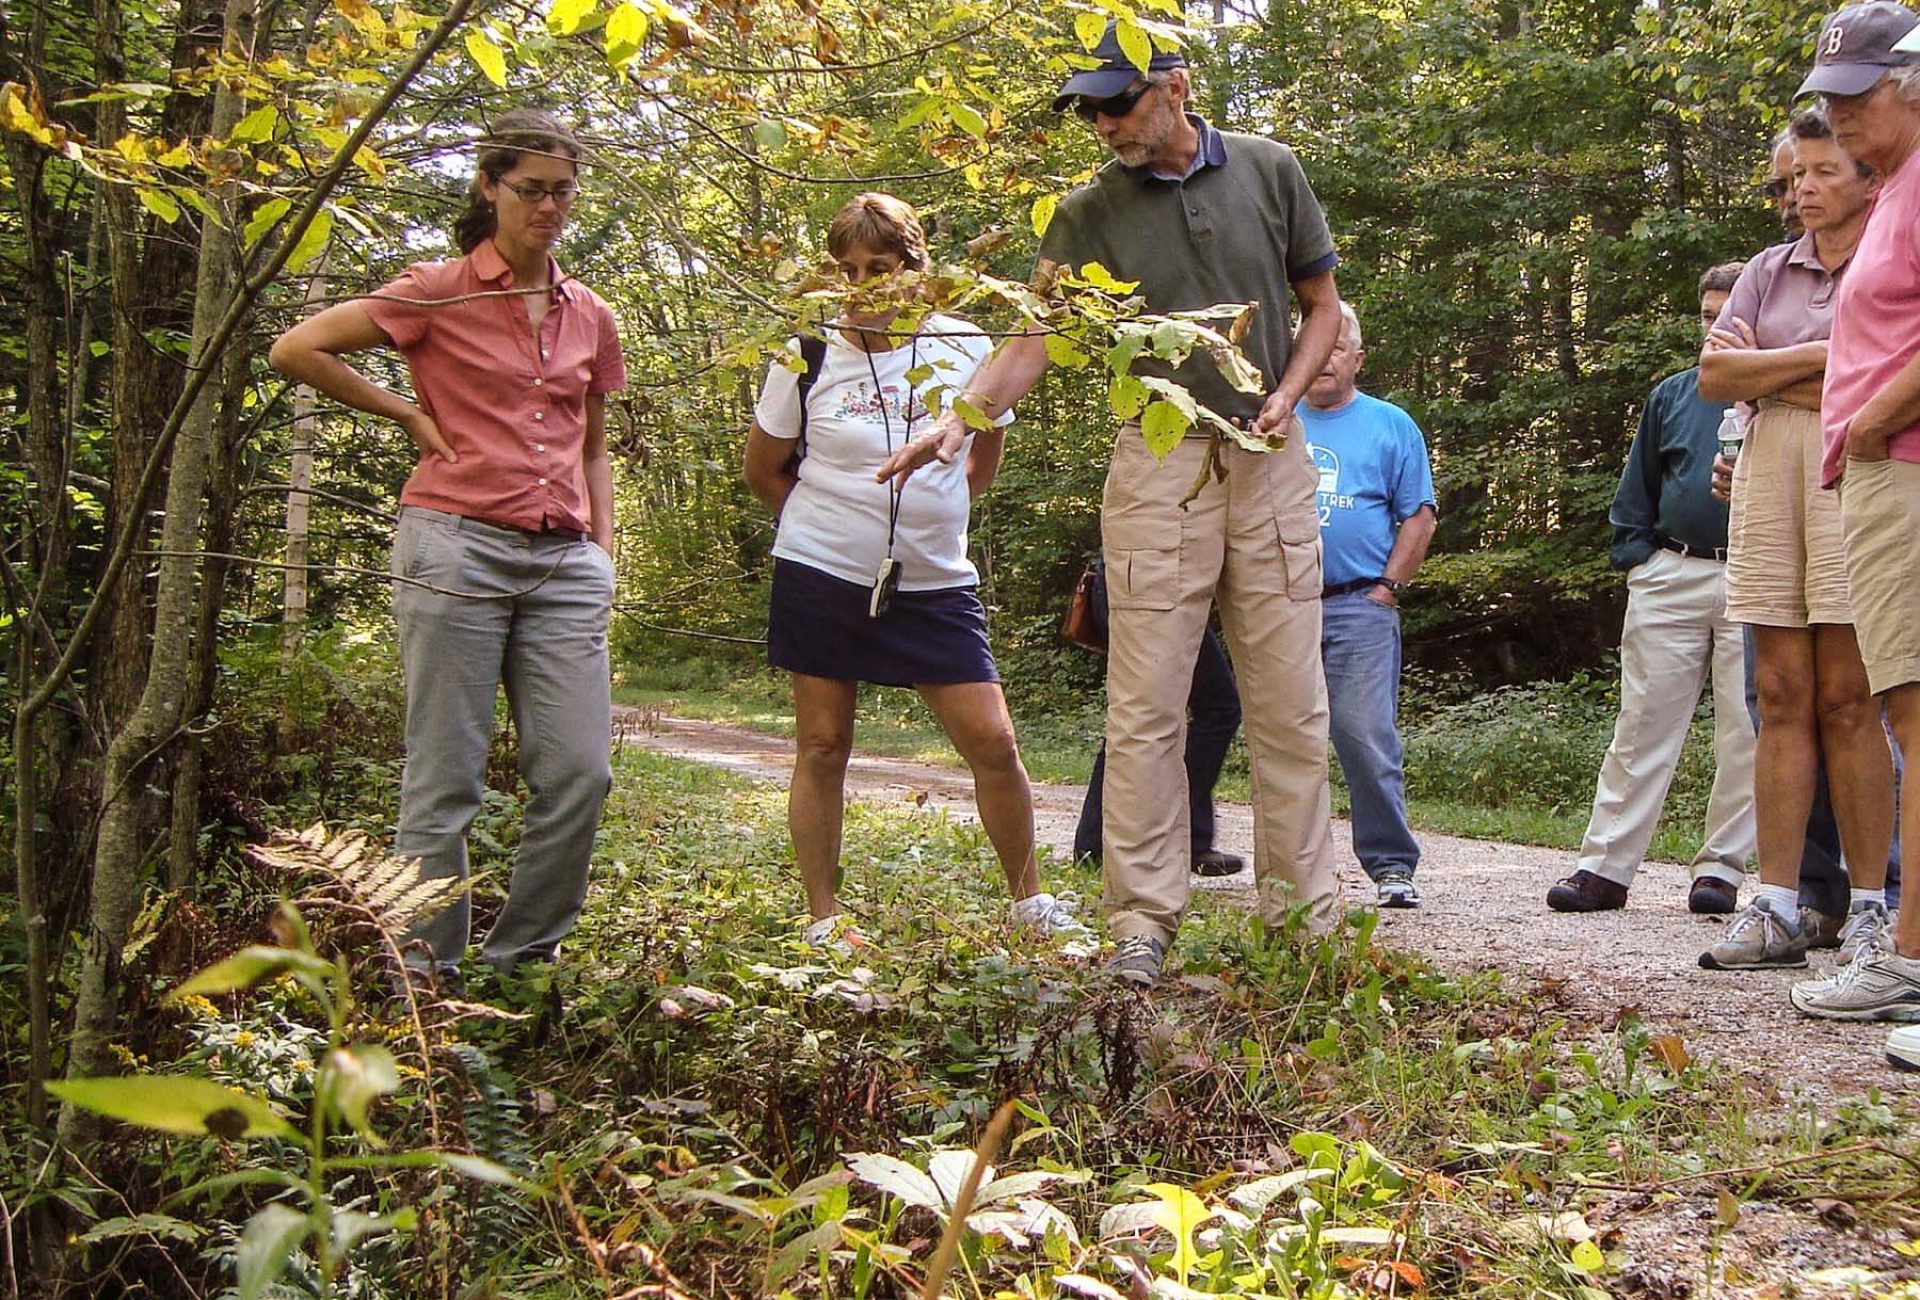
1733 435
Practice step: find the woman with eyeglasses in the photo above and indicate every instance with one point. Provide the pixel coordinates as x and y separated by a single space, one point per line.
1786 572
502 561
872 583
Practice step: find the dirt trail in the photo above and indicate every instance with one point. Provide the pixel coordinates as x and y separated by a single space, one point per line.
1483 908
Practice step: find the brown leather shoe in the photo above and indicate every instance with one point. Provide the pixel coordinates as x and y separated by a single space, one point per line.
1712 896
1584 891
1821 928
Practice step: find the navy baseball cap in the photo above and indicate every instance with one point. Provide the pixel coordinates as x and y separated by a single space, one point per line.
1115 73
1858 46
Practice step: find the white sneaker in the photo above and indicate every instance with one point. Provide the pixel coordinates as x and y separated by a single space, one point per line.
1878 984
1903 1048
1053 915
1868 926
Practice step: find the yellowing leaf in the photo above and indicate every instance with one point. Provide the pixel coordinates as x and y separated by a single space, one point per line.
1064 352
1589 1258
626 32
257 125
1178 1210
1134 44
488 56
968 119
1163 425
160 204
175 1104
1101 278
1043 208
312 242
1127 396
566 15
1672 1052
1089 27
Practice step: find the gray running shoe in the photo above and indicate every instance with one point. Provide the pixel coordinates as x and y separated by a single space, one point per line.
1868 926
1878 984
1396 888
1903 1048
1757 939
1821 928
1137 960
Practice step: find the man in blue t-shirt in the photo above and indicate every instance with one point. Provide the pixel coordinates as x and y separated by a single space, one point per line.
1376 521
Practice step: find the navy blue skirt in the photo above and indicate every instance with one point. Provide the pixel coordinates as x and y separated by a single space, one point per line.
818 624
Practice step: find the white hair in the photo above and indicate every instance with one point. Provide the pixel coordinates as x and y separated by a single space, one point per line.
1353 324
1906 82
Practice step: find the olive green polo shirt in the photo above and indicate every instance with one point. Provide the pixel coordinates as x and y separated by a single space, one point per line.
1242 226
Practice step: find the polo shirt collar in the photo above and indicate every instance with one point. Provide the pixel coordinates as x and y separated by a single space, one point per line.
491 267
1212 152
1805 254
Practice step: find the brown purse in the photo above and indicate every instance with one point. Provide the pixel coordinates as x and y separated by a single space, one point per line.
1080 626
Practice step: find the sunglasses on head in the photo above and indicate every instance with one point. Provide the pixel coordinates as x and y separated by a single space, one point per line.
1114 106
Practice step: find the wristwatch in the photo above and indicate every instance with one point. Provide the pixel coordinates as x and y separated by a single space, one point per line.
1393 585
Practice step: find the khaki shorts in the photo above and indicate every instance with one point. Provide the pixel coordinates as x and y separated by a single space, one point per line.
1786 550
1880 500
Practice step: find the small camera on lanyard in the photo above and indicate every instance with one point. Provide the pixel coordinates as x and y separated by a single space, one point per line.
886 581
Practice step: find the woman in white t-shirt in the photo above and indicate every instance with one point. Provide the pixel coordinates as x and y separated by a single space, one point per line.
871 584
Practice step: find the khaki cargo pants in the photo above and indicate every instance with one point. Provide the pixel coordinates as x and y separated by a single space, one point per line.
1251 544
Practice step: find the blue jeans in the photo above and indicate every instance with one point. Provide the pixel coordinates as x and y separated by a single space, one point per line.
1213 707
1824 884
487 607
1360 647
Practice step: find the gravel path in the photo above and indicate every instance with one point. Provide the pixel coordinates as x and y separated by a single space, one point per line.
1483 907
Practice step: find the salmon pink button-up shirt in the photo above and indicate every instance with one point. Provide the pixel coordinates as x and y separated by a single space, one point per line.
513 407
1874 317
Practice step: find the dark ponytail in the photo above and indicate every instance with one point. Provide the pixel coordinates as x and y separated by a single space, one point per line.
523 130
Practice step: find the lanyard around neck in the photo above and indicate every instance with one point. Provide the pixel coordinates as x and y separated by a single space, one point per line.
895 488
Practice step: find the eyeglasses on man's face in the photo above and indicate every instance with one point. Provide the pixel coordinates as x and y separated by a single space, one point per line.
533 193
1113 106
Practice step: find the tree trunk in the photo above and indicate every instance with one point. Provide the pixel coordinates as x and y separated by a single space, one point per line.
156 719
293 608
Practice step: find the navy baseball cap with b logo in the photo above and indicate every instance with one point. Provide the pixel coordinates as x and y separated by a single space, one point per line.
1858 46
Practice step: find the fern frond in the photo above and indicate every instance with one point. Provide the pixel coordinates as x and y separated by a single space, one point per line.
387 888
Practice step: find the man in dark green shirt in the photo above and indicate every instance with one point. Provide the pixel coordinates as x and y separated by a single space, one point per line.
1198 217
1670 535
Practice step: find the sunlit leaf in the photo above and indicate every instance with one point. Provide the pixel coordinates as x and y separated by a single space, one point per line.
1042 215
1063 351
1588 1257
1088 28
896 1177
269 1237
312 241
247 968
487 56
257 125
159 203
1134 43
175 1104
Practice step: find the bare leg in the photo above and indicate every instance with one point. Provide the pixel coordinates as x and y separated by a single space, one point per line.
975 717
1859 764
1903 706
1786 750
816 799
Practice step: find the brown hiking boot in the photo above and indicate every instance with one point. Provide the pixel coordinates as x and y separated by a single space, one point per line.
1584 891
1821 928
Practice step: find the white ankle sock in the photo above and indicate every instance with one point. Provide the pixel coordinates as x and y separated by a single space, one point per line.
1861 897
1782 900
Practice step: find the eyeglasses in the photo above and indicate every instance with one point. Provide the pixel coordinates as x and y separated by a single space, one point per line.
1115 106
533 194
1776 189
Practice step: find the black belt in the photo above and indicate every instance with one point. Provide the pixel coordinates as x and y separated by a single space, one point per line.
1342 588
1715 553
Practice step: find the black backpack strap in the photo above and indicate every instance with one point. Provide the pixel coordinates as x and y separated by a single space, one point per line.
813 351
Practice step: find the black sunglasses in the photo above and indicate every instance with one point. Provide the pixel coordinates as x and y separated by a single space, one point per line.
1776 188
1114 106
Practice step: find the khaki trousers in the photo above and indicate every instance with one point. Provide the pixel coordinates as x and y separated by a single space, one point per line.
1676 629
1251 544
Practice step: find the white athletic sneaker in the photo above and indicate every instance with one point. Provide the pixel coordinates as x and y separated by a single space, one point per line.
1877 985
1053 915
1756 939
1903 1048
1868 926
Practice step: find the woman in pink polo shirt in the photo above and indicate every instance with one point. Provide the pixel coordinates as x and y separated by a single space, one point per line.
1867 73
502 560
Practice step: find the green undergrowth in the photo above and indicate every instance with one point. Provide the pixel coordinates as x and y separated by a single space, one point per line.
1283 1116
694 1103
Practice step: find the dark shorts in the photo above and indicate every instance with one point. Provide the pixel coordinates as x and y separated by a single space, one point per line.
818 624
